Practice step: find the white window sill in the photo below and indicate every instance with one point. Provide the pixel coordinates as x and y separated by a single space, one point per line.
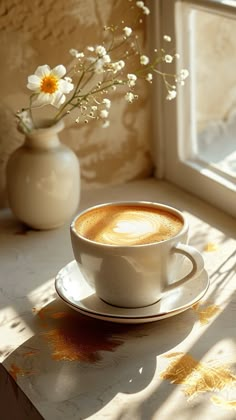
29 261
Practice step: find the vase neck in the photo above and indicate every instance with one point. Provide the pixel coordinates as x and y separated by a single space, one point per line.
42 141
44 138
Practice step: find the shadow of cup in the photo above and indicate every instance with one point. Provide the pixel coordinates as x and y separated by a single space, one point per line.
87 357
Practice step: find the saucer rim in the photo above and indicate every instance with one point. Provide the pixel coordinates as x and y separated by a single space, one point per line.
127 317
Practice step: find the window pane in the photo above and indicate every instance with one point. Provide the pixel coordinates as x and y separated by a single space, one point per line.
214 64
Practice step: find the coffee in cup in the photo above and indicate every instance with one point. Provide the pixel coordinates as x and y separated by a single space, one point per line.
127 225
128 252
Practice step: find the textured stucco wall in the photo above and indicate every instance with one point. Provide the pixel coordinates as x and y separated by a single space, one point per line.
36 32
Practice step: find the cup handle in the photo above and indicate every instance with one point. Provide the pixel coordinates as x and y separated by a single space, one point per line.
196 259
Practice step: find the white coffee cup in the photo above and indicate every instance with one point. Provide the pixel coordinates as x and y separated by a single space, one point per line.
132 274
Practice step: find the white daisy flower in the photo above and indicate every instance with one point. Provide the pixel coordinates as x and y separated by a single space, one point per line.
49 86
68 79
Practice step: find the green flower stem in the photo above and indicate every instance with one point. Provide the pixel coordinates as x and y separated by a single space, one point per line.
87 81
85 70
57 116
97 90
90 85
26 129
30 109
151 67
118 45
82 98
163 73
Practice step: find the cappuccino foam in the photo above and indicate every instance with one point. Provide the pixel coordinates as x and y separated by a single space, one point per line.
128 225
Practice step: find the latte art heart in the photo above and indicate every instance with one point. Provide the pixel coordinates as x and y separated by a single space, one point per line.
134 227
128 225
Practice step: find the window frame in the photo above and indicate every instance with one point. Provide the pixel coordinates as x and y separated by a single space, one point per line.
172 152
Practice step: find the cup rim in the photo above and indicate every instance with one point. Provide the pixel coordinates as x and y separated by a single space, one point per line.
153 204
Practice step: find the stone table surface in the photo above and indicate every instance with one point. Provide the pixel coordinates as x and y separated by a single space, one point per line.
59 364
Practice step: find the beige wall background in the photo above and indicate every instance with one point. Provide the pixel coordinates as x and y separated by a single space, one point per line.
37 32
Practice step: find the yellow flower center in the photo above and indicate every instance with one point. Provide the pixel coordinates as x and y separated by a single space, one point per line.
49 84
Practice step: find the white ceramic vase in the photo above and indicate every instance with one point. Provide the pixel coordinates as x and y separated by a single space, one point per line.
43 180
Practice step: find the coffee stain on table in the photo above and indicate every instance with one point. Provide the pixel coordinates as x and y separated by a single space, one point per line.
197 377
30 353
79 343
59 315
16 371
206 313
211 247
42 315
223 403
75 337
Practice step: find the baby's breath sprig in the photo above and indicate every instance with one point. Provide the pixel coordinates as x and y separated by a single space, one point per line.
95 71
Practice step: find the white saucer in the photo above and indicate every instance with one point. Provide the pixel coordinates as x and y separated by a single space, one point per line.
73 289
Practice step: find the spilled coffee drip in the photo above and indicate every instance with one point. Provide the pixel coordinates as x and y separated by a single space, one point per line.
128 225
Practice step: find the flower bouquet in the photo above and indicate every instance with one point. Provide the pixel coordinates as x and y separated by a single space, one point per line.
85 87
